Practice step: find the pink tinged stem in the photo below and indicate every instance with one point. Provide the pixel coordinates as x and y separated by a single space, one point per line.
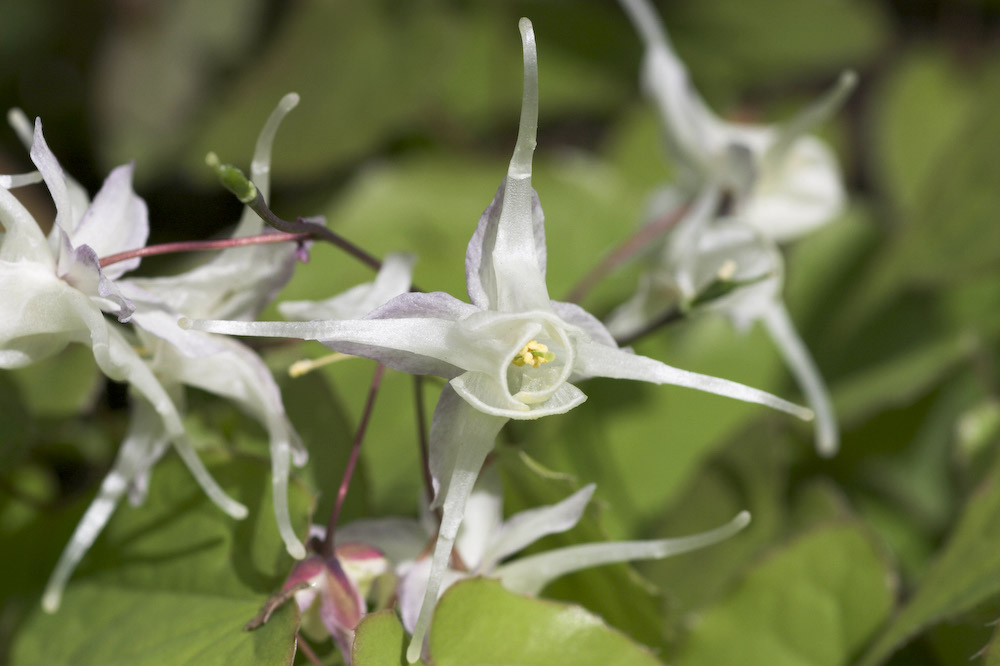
352 461
197 246
632 246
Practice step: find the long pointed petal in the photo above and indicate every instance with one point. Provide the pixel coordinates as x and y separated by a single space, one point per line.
528 575
144 437
519 282
797 356
813 115
599 361
11 181
461 436
525 528
260 165
22 239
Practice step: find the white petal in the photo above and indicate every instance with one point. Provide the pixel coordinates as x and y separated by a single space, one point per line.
22 239
796 355
412 587
479 273
42 314
11 181
600 361
133 458
461 436
525 528
392 280
417 345
116 221
483 518
118 360
69 207
528 575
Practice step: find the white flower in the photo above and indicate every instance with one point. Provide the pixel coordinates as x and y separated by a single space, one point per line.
781 181
485 541
53 292
510 354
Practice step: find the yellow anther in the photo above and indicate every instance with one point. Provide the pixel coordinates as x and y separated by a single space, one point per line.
534 354
305 366
727 270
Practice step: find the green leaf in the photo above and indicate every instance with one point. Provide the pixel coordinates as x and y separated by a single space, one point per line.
379 640
814 601
178 577
918 112
966 573
615 592
734 42
479 622
73 370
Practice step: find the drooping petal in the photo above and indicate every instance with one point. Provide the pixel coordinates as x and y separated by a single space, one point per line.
599 361
483 517
528 575
413 587
116 221
461 436
144 437
525 528
797 356
392 280
119 361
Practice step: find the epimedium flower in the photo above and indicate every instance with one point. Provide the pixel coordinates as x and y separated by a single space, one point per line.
486 543
54 292
779 179
475 345
728 267
334 588
238 282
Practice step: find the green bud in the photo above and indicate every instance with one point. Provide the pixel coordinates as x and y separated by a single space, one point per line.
233 179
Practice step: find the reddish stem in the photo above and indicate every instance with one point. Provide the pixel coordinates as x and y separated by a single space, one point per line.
307 651
352 461
625 251
195 246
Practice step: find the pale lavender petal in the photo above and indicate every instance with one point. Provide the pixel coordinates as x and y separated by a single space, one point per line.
81 267
599 361
573 314
413 586
528 575
525 528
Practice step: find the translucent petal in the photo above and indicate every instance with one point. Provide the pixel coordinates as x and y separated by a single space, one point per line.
797 356
600 361
461 436
528 575
525 528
